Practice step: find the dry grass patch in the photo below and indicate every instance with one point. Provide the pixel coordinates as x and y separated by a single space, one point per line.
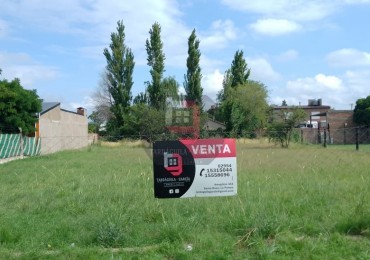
126 143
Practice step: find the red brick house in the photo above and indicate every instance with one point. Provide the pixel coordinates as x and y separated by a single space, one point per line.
338 124
315 111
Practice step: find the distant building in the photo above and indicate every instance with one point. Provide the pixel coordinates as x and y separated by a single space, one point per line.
338 124
60 129
315 111
213 125
208 103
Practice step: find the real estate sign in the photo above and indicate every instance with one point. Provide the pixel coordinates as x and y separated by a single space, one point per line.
195 168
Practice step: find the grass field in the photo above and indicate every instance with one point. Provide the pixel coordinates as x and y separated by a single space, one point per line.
98 203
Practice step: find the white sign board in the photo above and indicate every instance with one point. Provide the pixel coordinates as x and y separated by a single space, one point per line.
195 168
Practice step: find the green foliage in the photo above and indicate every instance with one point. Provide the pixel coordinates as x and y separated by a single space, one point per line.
93 127
156 57
18 107
97 119
239 72
147 122
170 88
362 111
282 128
193 77
234 112
246 107
119 70
141 98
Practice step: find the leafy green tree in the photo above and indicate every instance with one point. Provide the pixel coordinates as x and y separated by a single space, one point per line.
361 114
248 103
97 118
119 70
147 122
18 107
170 88
230 110
141 98
156 57
239 72
193 77
281 130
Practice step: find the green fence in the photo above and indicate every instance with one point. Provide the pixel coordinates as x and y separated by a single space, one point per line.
12 145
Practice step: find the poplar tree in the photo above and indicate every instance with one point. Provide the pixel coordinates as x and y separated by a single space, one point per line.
156 57
243 102
193 76
239 70
119 71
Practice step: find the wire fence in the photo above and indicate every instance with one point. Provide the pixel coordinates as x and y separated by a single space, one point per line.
354 135
16 145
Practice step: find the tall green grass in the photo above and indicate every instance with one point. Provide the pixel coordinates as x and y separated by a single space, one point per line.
303 202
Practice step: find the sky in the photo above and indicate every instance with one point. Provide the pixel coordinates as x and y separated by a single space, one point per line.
299 49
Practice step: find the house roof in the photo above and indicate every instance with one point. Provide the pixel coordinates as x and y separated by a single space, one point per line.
214 124
207 102
47 106
302 107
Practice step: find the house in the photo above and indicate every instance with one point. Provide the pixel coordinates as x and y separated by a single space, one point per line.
337 125
316 112
61 129
213 125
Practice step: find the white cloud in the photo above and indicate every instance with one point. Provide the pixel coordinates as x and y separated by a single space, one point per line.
339 92
318 84
209 65
330 82
21 65
94 20
275 27
212 83
358 82
29 74
221 33
87 103
348 58
261 70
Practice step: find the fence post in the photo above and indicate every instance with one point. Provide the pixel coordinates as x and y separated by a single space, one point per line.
357 140
325 137
301 136
21 141
344 136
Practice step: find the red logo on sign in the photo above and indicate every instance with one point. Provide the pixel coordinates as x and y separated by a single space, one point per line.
173 163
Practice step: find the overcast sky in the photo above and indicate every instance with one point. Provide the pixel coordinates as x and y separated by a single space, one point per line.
299 49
